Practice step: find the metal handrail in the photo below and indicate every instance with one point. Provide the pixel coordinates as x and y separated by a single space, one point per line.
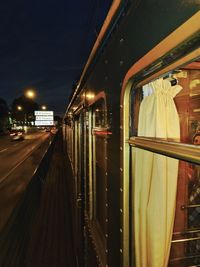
184 207
195 231
185 239
176 150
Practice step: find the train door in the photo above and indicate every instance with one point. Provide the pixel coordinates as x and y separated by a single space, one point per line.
99 165
79 163
161 182
88 164
96 183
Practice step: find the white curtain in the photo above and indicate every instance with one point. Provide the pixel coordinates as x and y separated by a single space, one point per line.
155 177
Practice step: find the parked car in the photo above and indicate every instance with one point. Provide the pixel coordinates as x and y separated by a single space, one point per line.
17 135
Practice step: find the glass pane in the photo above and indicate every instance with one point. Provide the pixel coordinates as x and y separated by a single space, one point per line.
100 114
165 197
186 236
101 182
99 148
88 187
183 87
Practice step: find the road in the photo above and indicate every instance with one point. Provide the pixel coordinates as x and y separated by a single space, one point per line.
18 162
12 153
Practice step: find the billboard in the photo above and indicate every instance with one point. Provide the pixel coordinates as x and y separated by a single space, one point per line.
44 123
44 118
43 113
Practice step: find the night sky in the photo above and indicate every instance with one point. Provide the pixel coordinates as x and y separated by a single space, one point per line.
45 44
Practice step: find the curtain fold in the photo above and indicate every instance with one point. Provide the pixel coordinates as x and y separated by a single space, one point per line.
155 177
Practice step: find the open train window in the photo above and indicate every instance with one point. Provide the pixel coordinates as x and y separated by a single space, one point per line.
183 86
165 173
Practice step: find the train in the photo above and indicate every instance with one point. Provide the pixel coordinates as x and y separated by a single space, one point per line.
131 131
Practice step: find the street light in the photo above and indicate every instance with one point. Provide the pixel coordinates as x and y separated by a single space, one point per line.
44 107
30 93
19 107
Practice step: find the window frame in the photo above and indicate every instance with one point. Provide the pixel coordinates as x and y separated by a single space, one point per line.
137 77
177 150
93 224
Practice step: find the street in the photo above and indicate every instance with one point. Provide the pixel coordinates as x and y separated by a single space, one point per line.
18 162
12 153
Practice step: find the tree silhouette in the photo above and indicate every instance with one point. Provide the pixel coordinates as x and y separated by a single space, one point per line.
28 107
4 115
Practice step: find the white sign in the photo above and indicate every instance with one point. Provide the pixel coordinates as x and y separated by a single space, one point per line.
43 113
44 123
44 118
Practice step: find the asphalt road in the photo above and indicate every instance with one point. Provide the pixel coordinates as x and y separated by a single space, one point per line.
18 162
12 153
39 231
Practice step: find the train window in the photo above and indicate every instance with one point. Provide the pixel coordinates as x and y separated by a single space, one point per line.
99 114
165 194
69 135
175 98
163 184
99 168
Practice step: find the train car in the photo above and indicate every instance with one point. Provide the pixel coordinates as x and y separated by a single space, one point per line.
132 130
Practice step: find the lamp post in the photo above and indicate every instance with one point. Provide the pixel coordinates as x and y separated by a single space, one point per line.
29 93
19 108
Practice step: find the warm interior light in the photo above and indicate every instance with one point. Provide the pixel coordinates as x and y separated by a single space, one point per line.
89 96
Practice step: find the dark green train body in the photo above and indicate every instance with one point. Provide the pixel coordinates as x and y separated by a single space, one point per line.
144 41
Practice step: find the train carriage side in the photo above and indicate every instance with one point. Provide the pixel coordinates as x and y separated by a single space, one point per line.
124 214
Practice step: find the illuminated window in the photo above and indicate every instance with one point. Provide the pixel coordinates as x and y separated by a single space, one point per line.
165 119
187 100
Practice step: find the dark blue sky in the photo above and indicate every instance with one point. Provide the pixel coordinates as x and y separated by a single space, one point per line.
45 44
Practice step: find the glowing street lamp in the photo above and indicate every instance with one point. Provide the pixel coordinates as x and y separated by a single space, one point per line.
30 94
19 107
44 107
